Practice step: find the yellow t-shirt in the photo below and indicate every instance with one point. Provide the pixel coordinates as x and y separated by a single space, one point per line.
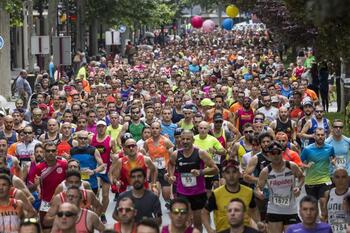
114 134
223 198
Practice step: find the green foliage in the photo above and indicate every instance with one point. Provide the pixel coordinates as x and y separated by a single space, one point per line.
14 8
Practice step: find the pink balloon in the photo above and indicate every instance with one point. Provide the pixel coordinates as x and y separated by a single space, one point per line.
208 25
197 21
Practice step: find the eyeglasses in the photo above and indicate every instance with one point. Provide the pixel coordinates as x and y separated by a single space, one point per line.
258 120
68 214
338 127
27 133
179 211
131 146
127 210
219 122
50 151
31 220
248 131
319 111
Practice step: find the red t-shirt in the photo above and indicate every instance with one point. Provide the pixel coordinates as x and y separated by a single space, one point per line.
50 177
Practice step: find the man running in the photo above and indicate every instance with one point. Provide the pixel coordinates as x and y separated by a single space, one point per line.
159 147
125 214
280 177
187 166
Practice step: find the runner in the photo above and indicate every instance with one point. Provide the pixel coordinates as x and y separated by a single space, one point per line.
187 167
243 146
158 148
134 126
280 177
125 216
334 212
52 134
221 197
105 146
179 217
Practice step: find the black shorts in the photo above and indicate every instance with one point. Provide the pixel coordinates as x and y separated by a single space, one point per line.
197 201
317 190
286 219
209 180
160 178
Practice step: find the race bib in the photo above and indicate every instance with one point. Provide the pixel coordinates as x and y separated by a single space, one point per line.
188 180
25 164
339 228
84 174
159 162
281 201
217 159
44 206
340 161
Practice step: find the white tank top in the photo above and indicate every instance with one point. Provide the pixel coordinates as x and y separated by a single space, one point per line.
281 196
337 217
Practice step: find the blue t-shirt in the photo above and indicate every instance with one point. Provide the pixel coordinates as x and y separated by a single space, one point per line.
169 130
341 151
318 173
319 228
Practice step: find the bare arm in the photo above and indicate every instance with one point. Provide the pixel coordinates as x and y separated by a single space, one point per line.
153 170
303 133
248 173
100 166
96 222
95 202
211 168
261 183
114 172
30 212
19 184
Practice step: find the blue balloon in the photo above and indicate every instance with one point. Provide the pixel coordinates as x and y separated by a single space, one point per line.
227 24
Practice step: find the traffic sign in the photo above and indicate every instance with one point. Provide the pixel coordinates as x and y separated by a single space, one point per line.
61 46
122 28
112 38
2 42
40 45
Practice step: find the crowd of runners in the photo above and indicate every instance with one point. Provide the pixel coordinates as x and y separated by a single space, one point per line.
215 124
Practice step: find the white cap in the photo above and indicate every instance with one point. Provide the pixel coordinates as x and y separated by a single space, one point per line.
101 123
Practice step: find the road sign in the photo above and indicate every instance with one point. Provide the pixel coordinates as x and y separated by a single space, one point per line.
122 28
112 38
62 54
40 45
2 42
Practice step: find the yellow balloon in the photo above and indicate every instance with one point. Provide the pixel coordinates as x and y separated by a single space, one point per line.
232 11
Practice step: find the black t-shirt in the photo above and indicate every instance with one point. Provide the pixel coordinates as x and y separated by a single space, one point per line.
147 206
39 129
246 230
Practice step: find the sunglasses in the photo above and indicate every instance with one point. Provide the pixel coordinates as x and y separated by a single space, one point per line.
50 151
219 122
179 211
31 220
249 131
127 210
338 127
68 214
131 146
319 111
27 133
83 138
258 120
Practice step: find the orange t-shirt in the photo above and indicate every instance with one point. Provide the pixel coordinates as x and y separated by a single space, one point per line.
234 107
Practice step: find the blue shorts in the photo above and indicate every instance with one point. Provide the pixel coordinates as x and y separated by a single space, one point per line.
104 178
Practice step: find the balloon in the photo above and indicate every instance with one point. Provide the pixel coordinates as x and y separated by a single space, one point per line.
208 25
197 21
232 11
227 24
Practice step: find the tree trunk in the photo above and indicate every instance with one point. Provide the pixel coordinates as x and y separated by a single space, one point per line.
81 25
5 54
93 38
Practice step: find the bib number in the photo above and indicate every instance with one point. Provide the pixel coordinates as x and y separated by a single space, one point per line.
281 201
44 206
339 228
188 180
159 162
340 161
217 159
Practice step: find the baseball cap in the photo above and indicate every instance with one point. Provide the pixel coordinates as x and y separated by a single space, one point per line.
125 137
178 132
275 146
33 101
230 163
218 117
308 102
101 123
206 102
